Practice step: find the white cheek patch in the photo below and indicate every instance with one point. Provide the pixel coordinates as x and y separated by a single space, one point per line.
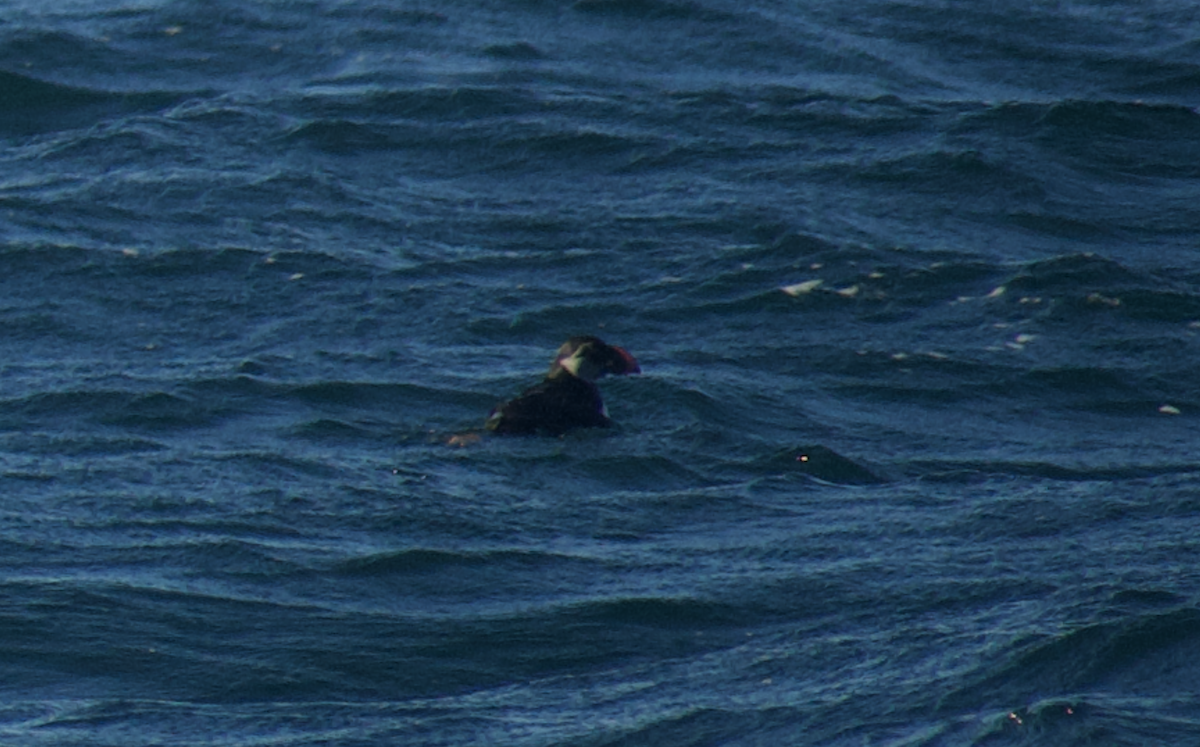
581 368
570 365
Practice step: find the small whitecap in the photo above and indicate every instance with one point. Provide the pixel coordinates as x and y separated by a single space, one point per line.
1103 300
997 292
850 292
801 288
1020 341
1168 410
296 276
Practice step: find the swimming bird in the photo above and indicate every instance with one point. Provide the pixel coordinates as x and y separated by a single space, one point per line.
568 397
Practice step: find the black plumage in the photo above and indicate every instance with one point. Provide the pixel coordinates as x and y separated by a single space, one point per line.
568 397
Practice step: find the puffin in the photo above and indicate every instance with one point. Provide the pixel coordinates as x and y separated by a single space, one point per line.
568 397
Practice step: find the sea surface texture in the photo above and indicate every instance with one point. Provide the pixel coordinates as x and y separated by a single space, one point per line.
914 459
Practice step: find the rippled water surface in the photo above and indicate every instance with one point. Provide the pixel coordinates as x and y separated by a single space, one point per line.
914 287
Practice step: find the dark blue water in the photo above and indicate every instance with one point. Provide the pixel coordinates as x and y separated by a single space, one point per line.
915 287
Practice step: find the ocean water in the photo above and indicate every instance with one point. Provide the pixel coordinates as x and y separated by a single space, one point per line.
915 288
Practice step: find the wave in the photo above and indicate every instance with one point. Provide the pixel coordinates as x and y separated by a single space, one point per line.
200 403
674 10
808 113
152 410
894 286
511 147
458 104
1148 653
960 172
79 445
1088 284
822 463
1097 390
522 51
1103 137
36 106
432 561
26 93
383 14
